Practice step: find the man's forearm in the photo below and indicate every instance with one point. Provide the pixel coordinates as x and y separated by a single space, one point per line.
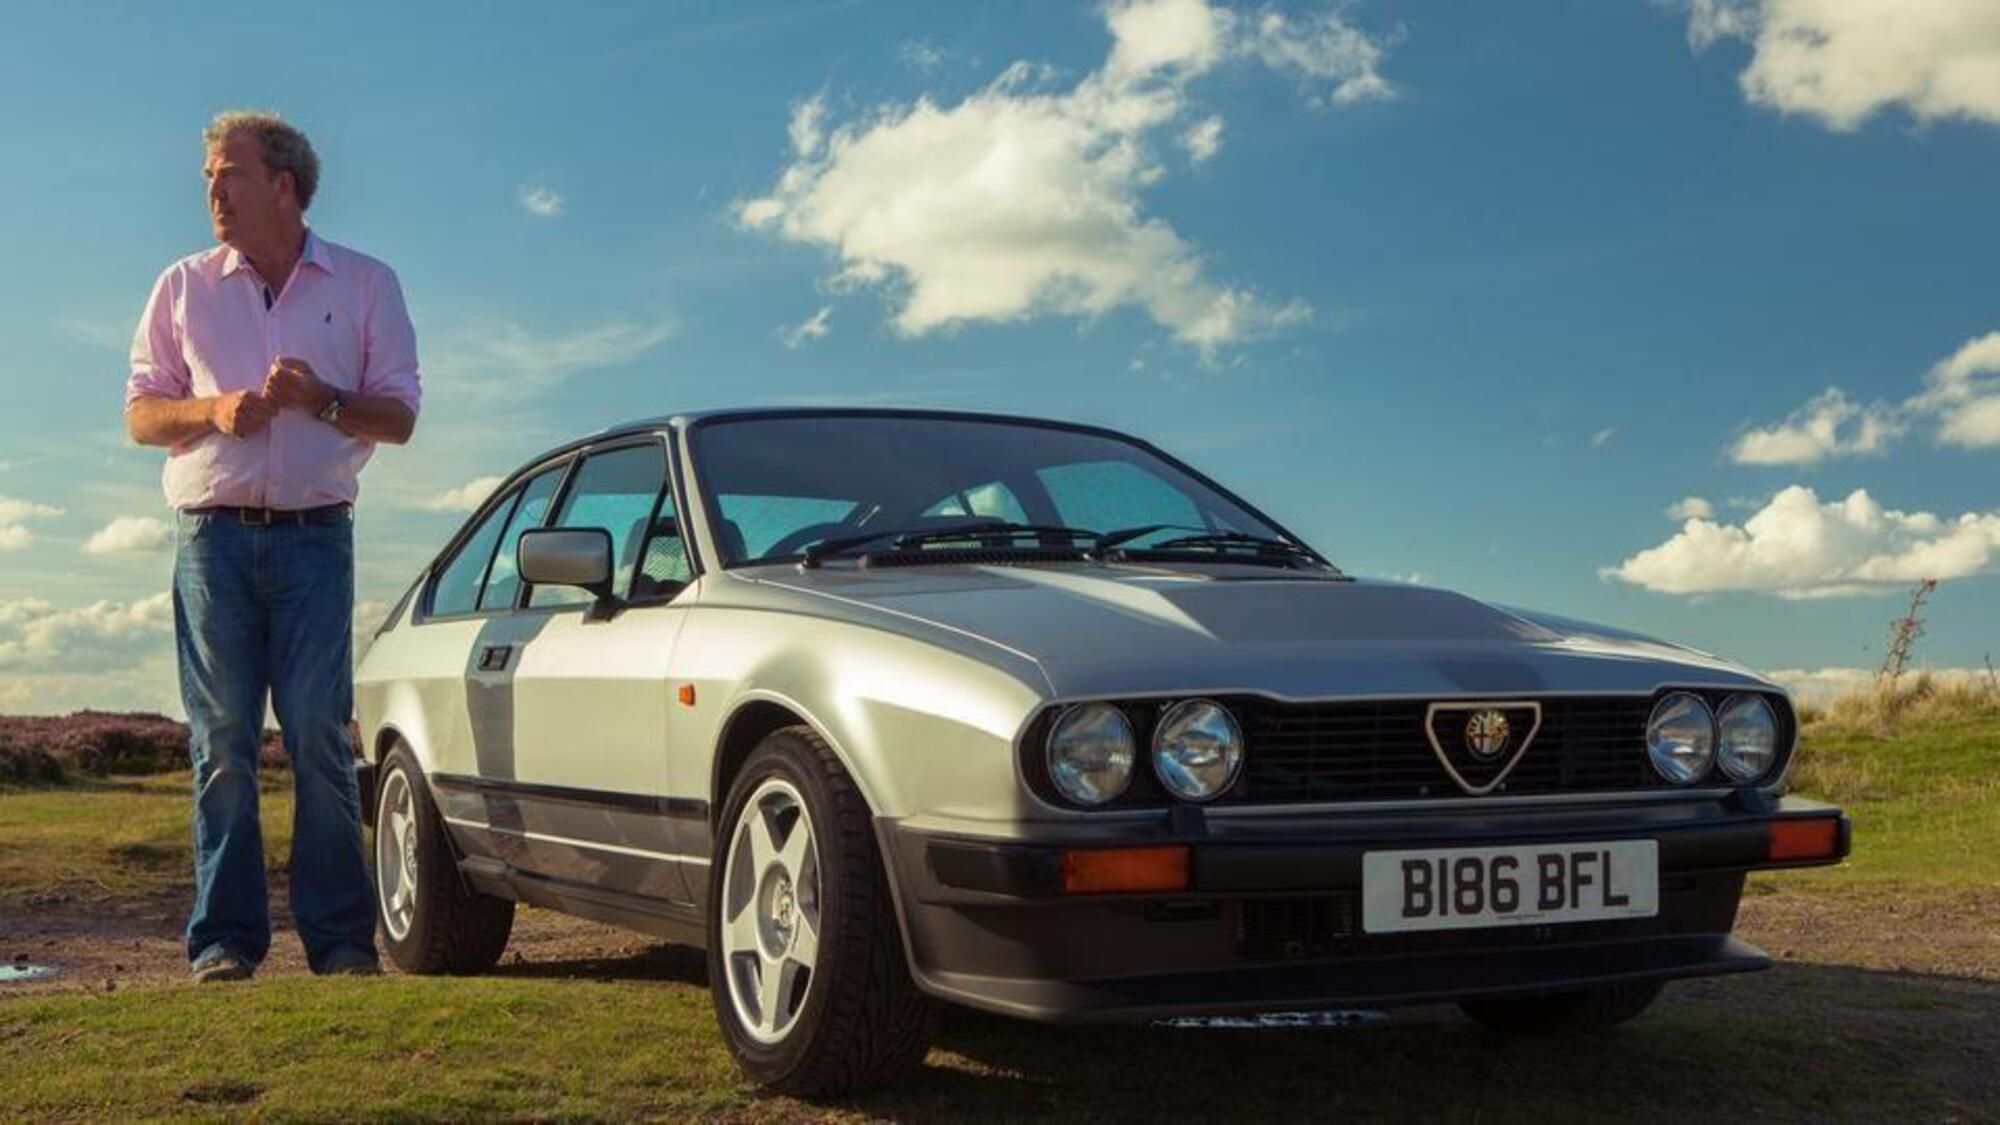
376 418
169 421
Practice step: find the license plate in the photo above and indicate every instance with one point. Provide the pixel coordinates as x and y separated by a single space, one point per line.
1466 888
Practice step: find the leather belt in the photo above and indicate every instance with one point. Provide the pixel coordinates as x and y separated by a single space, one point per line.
265 517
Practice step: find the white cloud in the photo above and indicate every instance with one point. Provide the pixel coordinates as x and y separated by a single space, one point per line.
128 535
1830 425
811 328
465 497
1961 395
1963 391
1821 685
13 536
1799 547
14 511
920 55
1601 438
1203 139
104 634
540 200
500 361
1842 61
1691 508
1321 48
1023 199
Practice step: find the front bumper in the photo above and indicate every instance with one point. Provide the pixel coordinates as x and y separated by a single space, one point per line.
1271 916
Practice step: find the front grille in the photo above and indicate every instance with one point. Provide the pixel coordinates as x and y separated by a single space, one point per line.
1378 750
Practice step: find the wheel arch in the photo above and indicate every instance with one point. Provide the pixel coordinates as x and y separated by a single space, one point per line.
750 721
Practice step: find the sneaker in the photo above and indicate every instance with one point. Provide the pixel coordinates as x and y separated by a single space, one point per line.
216 966
351 963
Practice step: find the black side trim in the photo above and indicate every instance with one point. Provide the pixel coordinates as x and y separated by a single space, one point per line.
676 808
677 922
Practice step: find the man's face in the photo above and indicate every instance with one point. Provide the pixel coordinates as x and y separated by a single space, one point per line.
245 198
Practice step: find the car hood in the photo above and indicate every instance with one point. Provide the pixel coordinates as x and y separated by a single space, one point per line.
1110 630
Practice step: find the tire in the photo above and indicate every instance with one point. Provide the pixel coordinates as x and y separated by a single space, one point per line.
853 1020
1564 1013
441 926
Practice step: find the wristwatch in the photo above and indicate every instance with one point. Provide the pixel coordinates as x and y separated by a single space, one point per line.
330 413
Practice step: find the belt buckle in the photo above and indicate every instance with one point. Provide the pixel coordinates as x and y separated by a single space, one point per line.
254 517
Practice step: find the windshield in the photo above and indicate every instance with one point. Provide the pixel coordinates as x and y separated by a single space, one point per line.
781 484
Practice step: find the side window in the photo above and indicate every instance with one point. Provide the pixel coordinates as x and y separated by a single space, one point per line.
616 491
991 500
457 588
663 557
1106 495
505 579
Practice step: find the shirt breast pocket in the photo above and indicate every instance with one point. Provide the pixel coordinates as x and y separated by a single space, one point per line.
337 348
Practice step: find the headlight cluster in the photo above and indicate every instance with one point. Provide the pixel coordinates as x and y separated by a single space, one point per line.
1197 751
1686 739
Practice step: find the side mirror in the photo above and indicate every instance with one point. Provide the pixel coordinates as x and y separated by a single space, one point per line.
567 556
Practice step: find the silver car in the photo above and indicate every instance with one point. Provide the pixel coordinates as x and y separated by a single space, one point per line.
885 708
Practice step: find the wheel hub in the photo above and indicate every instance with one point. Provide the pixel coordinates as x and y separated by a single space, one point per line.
778 912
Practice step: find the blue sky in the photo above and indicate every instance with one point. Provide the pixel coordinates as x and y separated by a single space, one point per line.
1466 293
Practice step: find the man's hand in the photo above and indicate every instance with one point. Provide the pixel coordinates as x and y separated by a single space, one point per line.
292 383
242 413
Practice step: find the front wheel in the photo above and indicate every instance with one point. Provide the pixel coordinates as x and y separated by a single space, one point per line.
430 921
806 963
1564 1013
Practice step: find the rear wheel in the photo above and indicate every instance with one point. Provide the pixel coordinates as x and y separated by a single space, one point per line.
812 991
1564 1013
430 921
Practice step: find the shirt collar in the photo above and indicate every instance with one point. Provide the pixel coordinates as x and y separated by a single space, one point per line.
315 254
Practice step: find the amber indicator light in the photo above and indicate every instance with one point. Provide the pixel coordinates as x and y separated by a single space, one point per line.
1113 870
686 694
1805 839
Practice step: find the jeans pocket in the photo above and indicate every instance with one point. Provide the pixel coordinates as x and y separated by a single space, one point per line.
189 527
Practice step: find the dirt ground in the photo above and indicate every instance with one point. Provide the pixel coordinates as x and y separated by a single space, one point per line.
1913 983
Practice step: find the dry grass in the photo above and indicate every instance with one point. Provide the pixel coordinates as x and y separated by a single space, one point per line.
1917 700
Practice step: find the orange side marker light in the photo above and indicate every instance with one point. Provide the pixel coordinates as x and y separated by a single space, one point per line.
1818 838
686 694
1112 870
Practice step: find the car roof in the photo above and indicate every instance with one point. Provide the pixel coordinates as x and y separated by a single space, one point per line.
686 419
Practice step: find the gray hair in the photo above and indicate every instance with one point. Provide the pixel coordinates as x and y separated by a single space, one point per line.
284 147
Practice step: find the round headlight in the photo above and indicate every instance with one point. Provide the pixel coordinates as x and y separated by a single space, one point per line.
1746 737
1680 738
1091 749
1197 749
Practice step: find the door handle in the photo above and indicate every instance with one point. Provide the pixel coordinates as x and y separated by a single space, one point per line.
493 658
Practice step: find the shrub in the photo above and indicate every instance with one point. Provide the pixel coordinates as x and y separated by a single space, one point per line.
38 749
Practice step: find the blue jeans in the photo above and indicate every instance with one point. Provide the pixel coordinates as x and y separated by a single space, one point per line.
269 611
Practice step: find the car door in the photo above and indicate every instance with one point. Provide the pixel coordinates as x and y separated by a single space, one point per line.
591 693
463 616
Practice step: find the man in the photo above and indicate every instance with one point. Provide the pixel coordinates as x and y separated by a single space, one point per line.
269 367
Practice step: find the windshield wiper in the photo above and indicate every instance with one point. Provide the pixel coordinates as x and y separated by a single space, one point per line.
991 534
1226 545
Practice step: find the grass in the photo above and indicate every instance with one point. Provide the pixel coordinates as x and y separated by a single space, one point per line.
1920 775
117 838
501 1048
620 1040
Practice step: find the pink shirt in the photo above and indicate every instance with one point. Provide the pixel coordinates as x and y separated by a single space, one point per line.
210 327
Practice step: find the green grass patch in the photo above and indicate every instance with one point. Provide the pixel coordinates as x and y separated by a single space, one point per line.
1925 799
117 838
510 1048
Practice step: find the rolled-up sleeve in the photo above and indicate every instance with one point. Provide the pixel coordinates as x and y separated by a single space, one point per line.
390 367
159 369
